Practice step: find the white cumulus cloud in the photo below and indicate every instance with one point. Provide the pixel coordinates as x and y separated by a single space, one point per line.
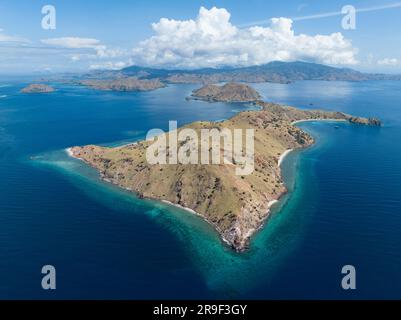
7 38
211 40
388 62
101 50
73 42
110 65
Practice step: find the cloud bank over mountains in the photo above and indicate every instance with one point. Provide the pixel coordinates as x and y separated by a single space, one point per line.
211 40
388 62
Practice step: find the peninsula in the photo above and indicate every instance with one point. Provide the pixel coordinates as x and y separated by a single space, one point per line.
237 206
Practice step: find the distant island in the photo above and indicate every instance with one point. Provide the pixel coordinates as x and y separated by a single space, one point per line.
237 206
137 78
37 88
230 92
124 84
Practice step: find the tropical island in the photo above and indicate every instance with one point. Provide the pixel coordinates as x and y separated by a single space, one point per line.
123 84
38 88
230 92
236 205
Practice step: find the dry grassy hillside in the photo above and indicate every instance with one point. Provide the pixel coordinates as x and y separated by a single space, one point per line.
235 205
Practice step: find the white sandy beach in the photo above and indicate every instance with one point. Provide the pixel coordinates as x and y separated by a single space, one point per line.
312 120
181 207
280 160
271 203
69 152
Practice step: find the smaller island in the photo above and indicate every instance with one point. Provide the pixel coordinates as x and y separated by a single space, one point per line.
37 88
230 92
365 121
124 84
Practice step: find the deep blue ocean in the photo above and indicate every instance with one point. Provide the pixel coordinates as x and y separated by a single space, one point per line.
344 206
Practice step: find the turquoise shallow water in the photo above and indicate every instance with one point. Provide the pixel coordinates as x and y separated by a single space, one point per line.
344 206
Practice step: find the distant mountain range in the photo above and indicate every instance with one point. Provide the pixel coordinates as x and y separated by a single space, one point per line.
280 72
142 78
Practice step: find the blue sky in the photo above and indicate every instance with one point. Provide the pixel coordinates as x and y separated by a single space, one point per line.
112 34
